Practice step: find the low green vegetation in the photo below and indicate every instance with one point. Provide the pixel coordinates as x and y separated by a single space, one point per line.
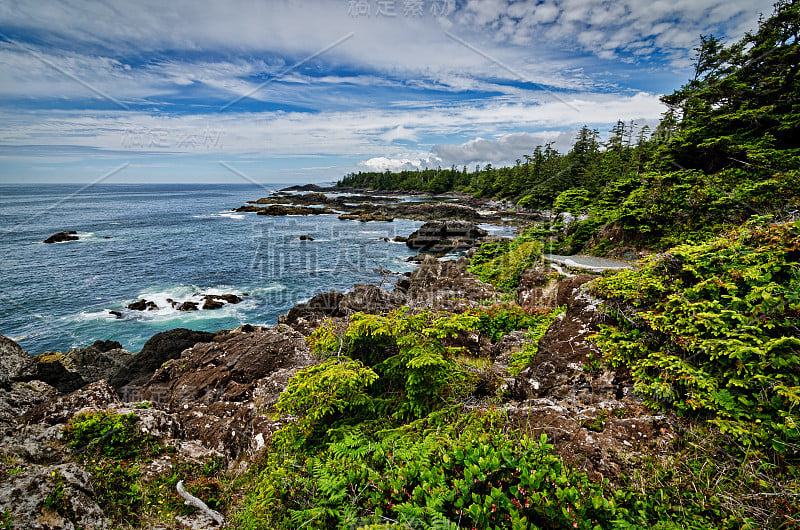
379 436
448 470
502 263
711 331
115 452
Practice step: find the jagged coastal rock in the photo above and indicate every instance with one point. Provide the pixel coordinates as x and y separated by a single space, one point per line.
445 236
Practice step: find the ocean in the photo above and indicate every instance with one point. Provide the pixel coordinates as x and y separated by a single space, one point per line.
173 241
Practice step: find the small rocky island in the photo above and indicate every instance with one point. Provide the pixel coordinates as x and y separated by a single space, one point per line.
61 237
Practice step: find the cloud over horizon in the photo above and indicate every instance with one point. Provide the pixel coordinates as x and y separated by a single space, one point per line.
330 86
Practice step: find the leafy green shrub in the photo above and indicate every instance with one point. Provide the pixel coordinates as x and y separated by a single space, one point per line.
405 364
447 471
405 360
108 434
507 263
711 331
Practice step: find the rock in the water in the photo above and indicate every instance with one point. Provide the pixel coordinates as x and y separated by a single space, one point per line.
156 351
399 239
366 216
143 305
306 237
188 306
445 236
210 303
117 314
62 236
230 298
282 209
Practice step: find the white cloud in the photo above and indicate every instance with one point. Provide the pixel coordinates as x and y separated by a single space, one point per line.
399 91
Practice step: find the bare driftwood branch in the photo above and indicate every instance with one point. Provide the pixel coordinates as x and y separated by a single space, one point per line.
191 500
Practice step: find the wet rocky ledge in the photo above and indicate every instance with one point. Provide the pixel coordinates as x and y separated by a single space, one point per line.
358 204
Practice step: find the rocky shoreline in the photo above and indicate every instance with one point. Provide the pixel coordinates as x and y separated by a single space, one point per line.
213 395
360 204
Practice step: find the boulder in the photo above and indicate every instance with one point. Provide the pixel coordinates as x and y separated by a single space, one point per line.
49 369
445 236
143 305
27 498
62 237
59 409
188 306
365 298
15 363
212 386
230 298
444 284
306 237
99 361
368 299
210 303
159 349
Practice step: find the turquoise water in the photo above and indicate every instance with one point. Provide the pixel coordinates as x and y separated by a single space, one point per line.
168 241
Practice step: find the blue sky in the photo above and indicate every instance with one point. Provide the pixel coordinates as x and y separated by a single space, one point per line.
307 91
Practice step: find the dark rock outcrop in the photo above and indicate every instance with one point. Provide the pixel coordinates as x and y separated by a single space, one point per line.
538 288
156 351
62 237
306 237
218 388
444 284
98 361
445 236
143 305
282 209
211 303
49 369
366 216
15 363
366 298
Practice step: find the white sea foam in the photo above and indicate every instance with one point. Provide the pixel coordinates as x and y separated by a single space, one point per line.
227 214
179 294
